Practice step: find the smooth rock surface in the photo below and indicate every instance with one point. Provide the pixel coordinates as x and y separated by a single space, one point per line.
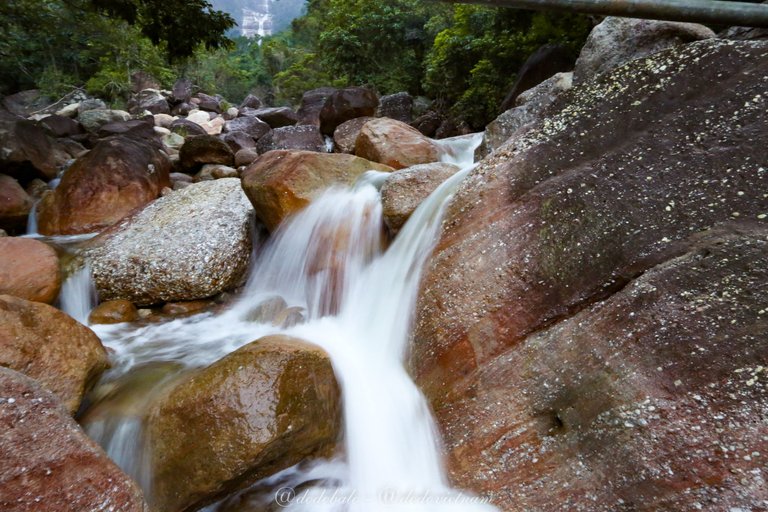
280 183
345 104
15 204
345 135
117 176
303 138
191 244
29 269
395 144
50 347
205 149
49 464
276 117
263 408
405 190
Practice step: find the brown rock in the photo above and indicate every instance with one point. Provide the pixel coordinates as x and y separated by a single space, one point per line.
395 144
246 156
48 461
276 117
238 140
49 346
405 190
186 308
280 183
346 104
15 204
303 138
311 104
114 312
253 126
187 128
265 407
116 177
397 106
25 149
608 186
29 269
205 149
60 126
345 135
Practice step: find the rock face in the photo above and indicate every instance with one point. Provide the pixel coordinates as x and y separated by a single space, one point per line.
29 269
263 408
405 190
616 41
304 138
48 461
395 144
280 183
51 347
530 105
15 204
188 245
117 176
346 104
608 187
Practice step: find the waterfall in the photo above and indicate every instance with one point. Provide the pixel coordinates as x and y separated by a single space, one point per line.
78 294
353 296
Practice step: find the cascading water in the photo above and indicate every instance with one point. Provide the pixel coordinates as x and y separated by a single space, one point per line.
352 296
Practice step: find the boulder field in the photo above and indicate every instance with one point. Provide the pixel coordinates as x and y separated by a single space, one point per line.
590 329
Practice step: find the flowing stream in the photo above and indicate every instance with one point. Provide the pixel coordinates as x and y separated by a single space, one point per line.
347 292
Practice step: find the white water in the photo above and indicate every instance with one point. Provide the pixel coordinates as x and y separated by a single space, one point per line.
357 298
78 294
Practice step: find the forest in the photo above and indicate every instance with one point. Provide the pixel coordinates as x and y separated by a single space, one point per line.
463 57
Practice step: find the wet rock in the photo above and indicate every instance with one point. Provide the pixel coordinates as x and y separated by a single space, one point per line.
26 151
48 461
302 138
205 149
117 176
186 308
206 244
609 186
395 144
345 135
238 140
267 310
114 312
547 61
345 104
617 41
276 117
253 126
265 407
92 120
50 347
311 104
405 190
530 105
15 205
280 183
397 106
187 128
29 269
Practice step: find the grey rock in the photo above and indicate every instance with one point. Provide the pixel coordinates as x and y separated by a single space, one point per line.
396 106
307 138
94 119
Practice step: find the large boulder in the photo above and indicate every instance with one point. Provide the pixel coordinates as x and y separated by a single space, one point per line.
616 41
204 149
346 104
253 126
94 119
263 408
311 104
397 106
51 347
60 126
405 190
26 151
395 144
529 107
304 138
190 244
29 269
345 135
15 204
186 128
276 117
280 183
117 176
609 186
48 461
153 101
548 60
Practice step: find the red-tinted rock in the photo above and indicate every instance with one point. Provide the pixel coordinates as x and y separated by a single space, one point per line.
346 104
29 269
49 464
117 176
608 186
51 347
280 183
15 205
395 144
345 135
114 312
